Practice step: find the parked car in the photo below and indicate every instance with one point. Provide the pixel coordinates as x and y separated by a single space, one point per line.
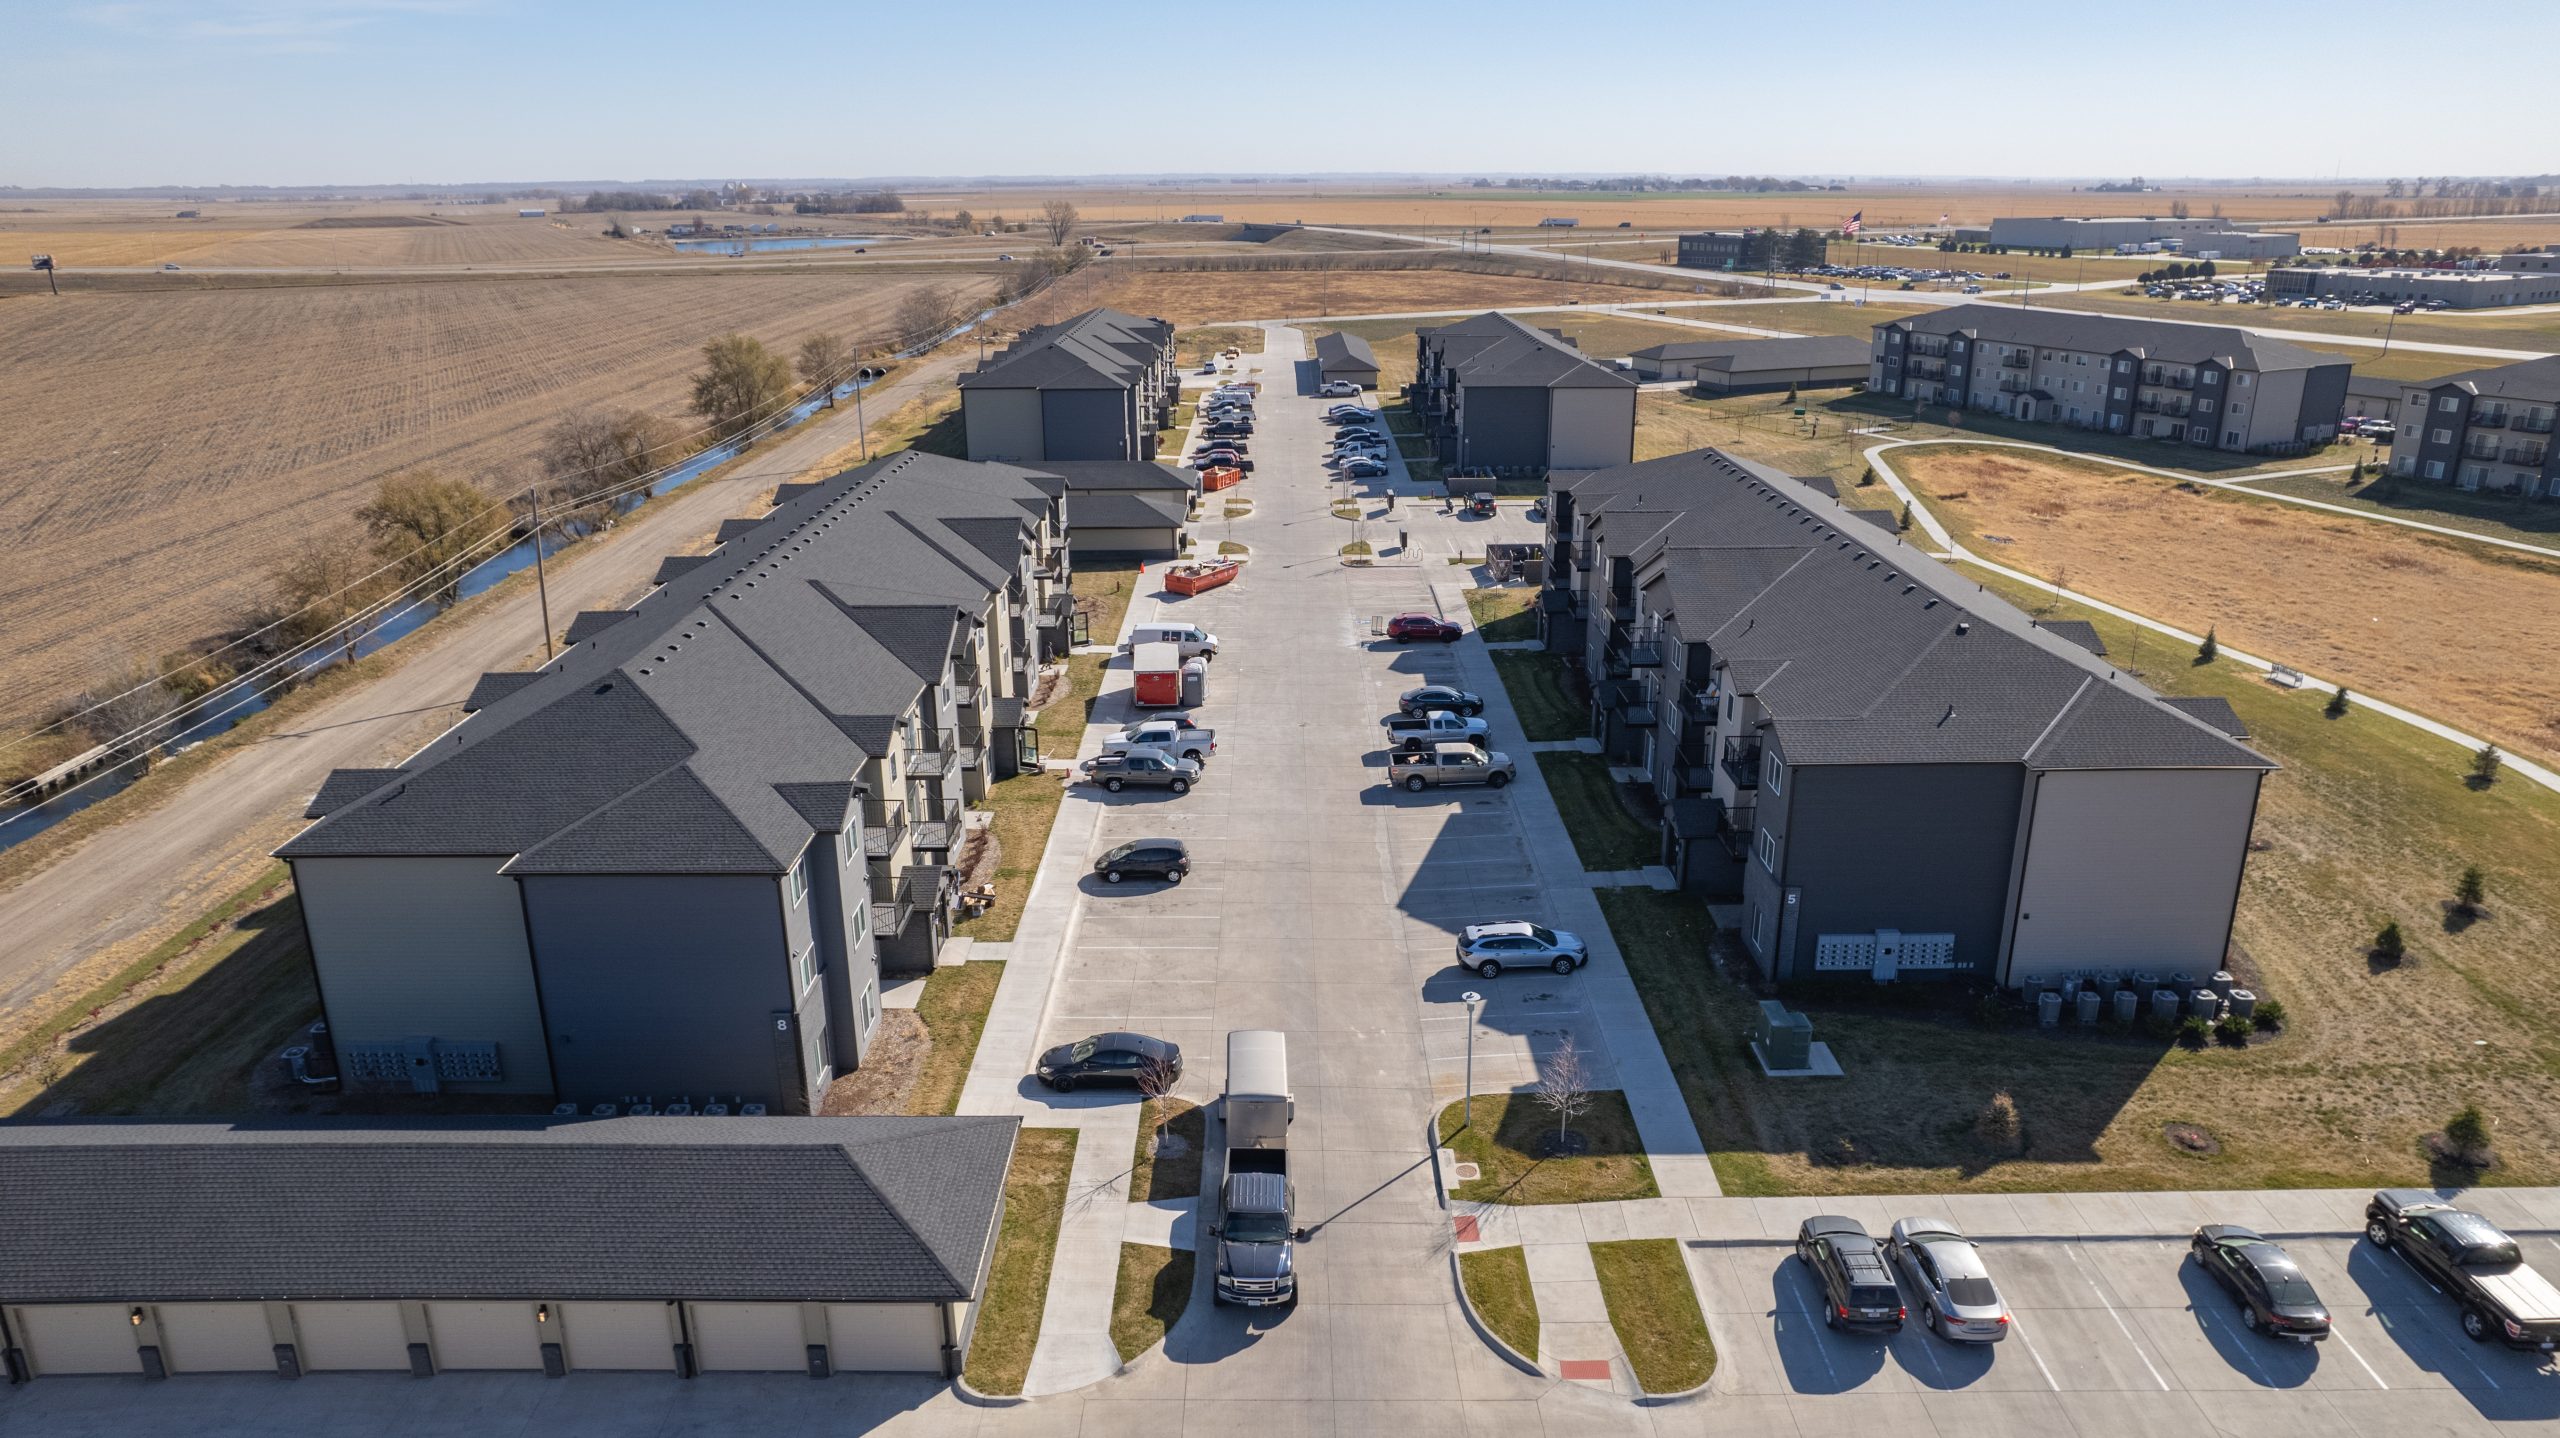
1227 429
1172 733
1406 628
1366 469
1416 732
1358 431
1349 414
1958 1300
1110 1058
1145 767
1166 859
1516 944
1339 386
1193 640
2471 1260
1464 703
2275 1299
1218 455
1858 1291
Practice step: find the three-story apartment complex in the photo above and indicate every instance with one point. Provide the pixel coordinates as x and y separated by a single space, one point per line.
672 864
2212 386
1098 386
1892 771
2482 429
1496 394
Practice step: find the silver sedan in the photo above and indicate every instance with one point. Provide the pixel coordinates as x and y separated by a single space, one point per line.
1958 1300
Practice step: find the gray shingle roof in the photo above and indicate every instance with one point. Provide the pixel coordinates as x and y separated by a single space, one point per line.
1099 349
490 688
2080 632
1498 351
1094 474
2530 380
1746 355
1122 511
1339 352
2167 340
777 1209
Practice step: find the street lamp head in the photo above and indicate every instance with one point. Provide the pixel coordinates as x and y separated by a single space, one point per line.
1471 996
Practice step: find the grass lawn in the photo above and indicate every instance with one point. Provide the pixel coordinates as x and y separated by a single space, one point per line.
1229 546
1155 1176
1535 681
1655 1312
182 1029
954 1012
2497 516
1035 1198
1154 1288
1497 1281
1604 833
1503 615
930 422
1195 347
1359 548
1510 1136
1025 808
1104 589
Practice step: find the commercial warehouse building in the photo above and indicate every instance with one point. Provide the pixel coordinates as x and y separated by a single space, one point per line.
657 1245
1098 386
2212 386
672 864
1713 250
2482 429
1497 394
2189 238
2461 289
1894 773
1749 366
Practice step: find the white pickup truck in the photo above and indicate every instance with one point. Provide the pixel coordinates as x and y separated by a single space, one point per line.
1414 733
1171 734
1450 764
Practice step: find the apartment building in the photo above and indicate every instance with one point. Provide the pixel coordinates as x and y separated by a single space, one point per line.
673 863
1098 386
2212 386
1497 394
1894 773
2484 429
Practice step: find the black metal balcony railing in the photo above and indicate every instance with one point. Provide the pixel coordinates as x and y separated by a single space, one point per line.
893 900
2012 386
1645 652
2527 455
1695 778
2476 449
2537 423
1733 830
1700 704
1586 554
1742 762
937 828
884 823
2016 361
1622 611
968 696
930 755
2489 419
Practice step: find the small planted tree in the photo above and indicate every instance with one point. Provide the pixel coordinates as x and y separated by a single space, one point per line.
1999 1125
2468 890
2467 1134
1156 1078
1866 476
2210 649
2485 765
2269 1015
1903 523
2388 945
1564 1086
2336 708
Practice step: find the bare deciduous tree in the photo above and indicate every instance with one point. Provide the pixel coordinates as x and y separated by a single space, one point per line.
587 456
1564 1086
824 360
741 382
127 709
1156 1078
327 580
924 315
1060 218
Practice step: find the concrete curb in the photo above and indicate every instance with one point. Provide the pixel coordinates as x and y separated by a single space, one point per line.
977 1399
1484 1330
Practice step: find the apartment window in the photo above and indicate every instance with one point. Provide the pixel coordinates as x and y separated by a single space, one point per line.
2417 401
1768 851
2198 434
1773 772
861 918
2124 366
2241 380
1957 347
2119 391
2211 376
2204 406
2231 436
2441 436
2448 405
2238 408
804 968
851 845
2435 469
799 881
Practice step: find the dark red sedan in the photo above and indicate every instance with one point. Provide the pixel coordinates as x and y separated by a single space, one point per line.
1409 627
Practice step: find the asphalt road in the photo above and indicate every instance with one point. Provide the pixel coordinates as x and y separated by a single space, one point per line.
162 867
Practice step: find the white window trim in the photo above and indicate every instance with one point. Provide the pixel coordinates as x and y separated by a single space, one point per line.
1776 773
798 881
804 966
1768 851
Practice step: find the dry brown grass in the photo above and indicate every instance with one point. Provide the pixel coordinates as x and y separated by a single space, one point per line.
1193 297
80 234
2446 627
166 450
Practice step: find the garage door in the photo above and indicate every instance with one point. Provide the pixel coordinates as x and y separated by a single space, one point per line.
484 1335
359 1337
216 1338
885 1337
750 1337
78 1337
619 1336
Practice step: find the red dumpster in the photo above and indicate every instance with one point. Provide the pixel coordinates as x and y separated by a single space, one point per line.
1156 676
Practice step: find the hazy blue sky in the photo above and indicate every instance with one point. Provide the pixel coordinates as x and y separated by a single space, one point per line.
134 92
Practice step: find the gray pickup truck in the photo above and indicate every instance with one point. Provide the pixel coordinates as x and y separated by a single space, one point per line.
1141 766
1450 764
1415 732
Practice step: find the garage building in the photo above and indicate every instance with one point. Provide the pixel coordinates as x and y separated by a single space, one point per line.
1750 366
1342 356
678 1245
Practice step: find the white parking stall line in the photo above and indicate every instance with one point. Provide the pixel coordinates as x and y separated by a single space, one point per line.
2020 1330
2341 1340
2121 1326
1146 948
2241 1347
1815 1330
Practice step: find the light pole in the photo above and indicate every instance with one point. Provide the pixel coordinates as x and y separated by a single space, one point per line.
2387 327
1472 999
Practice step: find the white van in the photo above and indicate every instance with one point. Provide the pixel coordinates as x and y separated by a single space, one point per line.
1195 641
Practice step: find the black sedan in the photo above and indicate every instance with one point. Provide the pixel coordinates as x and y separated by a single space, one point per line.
1440 696
1112 1058
1166 859
2275 1299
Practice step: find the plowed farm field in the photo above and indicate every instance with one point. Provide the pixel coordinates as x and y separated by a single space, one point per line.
164 452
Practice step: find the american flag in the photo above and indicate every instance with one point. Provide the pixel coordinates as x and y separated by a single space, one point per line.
1850 225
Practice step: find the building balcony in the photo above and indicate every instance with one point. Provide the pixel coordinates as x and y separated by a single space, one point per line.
2530 456
937 828
894 900
2534 423
884 823
1622 611
1700 705
1742 762
2016 361
931 755
1645 652
2013 386
2477 450
1694 778
1585 555
1734 827
968 696
1555 599
2168 379
2489 419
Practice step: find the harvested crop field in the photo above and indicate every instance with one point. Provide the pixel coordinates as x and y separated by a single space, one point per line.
165 451
1192 297
123 233
2448 628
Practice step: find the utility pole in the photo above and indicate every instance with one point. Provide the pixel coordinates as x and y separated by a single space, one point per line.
45 263
541 579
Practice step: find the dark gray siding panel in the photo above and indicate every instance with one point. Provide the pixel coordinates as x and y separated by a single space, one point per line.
2324 396
662 986
1921 848
1505 428
1087 424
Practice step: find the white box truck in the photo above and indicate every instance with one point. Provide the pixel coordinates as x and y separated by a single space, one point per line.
1255 1234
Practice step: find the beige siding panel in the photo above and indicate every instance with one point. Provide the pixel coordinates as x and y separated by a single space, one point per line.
885 1337
78 1337
2131 869
426 946
749 1337
484 1335
1591 428
216 1337
626 1336
2275 406
351 1337
1003 423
